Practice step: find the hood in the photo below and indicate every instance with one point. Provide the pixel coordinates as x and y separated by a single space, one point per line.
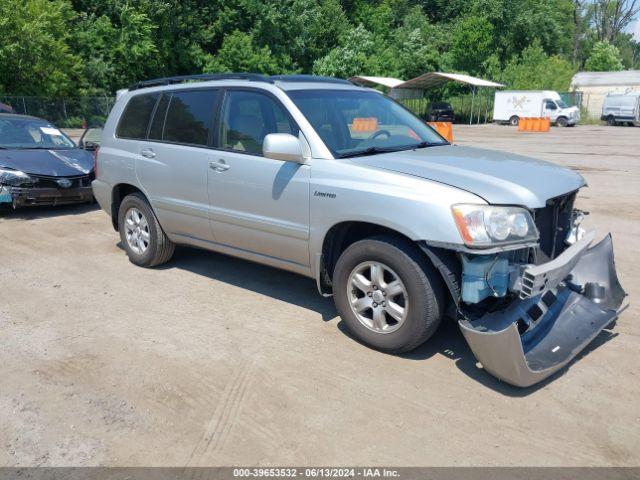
497 177
55 163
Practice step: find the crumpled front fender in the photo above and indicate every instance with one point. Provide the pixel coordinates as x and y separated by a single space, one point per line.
532 338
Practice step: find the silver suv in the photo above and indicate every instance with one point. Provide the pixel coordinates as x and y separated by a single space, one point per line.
342 184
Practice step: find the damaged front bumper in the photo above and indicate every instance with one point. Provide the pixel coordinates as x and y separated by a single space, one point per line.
562 306
21 196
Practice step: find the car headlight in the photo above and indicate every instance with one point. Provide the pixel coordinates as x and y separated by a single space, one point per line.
15 178
487 225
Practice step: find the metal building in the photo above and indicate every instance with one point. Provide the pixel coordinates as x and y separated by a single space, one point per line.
594 86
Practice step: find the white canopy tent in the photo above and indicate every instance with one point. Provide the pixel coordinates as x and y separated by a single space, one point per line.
426 81
433 79
387 82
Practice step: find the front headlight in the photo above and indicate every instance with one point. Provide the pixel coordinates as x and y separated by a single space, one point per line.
15 178
487 225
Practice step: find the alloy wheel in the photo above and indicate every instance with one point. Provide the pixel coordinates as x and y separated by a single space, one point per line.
377 297
136 231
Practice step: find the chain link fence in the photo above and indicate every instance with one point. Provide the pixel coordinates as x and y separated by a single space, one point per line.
67 112
473 110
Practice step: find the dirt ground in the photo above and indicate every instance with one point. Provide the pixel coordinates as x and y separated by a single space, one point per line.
211 360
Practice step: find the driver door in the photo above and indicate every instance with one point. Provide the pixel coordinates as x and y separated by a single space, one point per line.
550 109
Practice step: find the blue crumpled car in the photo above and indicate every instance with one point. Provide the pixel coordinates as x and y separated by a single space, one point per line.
40 165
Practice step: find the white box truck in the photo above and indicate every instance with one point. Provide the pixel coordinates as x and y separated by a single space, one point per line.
621 108
512 105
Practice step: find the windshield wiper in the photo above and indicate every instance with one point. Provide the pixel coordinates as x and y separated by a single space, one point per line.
367 151
426 145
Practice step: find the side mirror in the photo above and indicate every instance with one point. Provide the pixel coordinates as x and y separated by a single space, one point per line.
282 146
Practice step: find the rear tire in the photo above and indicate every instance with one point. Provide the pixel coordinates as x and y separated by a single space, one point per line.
408 292
142 236
611 121
514 121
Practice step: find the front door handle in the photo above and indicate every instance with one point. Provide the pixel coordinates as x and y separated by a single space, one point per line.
219 166
148 153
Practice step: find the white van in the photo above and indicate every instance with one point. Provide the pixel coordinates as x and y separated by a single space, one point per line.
512 105
622 108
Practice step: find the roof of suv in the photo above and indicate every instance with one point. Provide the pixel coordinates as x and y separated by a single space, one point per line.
286 82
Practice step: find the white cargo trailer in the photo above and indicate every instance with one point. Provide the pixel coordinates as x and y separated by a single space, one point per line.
621 108
512 105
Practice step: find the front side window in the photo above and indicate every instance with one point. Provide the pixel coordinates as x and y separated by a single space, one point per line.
135 119
355 122
189 117
549 105
31 133
247 117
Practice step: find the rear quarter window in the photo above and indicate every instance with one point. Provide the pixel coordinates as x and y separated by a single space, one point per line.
135 118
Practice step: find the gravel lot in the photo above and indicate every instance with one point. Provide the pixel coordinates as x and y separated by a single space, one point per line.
211 360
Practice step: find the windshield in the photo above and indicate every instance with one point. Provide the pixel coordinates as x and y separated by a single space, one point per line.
356 122
561 104
22 133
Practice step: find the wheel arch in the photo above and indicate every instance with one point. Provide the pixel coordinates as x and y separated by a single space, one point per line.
119 192
343 234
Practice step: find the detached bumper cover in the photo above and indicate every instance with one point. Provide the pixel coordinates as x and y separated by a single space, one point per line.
535 336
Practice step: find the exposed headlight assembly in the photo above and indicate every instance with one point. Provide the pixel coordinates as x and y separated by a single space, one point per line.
487 225
15 178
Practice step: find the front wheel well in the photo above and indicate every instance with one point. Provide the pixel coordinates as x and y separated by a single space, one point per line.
340 237
118 194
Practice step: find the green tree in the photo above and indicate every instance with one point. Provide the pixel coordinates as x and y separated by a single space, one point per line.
239 54
535 70
35 57
418 46
118 52
472 43
357 54
604 58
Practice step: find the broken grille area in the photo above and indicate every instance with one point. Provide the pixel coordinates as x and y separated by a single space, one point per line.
554 223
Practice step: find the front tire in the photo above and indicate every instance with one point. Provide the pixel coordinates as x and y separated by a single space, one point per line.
389 296
562 122
611 121
142 236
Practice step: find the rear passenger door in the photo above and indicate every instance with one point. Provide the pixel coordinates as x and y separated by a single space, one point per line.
258 205
173 161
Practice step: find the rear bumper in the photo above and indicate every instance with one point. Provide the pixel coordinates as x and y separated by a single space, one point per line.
22 197
574 299
102 193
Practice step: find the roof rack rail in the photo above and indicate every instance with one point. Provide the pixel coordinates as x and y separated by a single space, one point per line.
309 78
202 77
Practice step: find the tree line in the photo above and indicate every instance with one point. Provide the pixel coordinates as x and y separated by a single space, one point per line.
94 47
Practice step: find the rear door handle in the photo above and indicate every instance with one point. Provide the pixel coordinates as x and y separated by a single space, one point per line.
219 166
148 153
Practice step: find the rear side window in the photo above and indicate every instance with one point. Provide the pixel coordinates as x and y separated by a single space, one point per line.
189 117
135 119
